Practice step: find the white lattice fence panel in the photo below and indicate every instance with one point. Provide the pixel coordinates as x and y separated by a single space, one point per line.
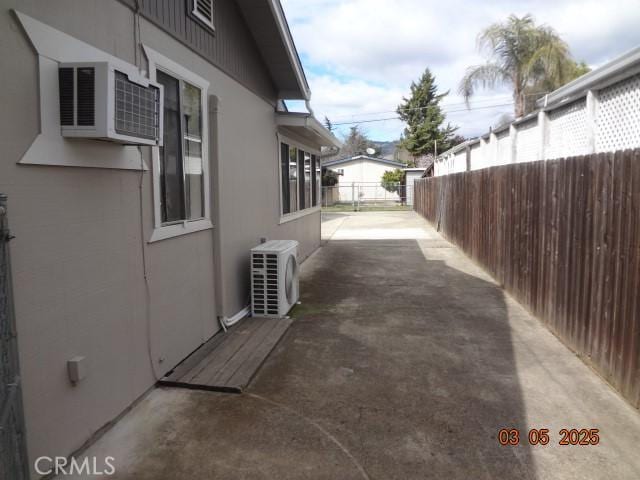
568 131
619 116
528 141
504 148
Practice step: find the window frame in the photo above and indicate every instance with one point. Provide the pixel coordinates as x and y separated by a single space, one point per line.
288 217
162 230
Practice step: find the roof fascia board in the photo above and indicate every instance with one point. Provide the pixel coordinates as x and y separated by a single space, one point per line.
302 120
294 59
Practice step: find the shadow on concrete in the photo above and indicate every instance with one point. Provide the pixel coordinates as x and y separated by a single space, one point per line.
405 360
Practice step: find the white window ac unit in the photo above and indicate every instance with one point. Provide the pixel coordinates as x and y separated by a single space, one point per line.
274 278
99 100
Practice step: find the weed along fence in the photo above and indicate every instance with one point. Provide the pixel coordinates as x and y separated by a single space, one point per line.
563 237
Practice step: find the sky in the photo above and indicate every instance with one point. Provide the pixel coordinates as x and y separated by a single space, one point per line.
360 56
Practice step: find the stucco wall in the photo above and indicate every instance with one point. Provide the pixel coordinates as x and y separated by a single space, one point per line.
79 280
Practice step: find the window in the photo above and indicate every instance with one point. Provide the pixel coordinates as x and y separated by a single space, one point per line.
181 179
293 179
307 180
203 11
284 178
316 179
180 165
299 179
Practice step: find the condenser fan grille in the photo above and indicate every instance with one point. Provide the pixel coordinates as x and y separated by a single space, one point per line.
265 283
289 278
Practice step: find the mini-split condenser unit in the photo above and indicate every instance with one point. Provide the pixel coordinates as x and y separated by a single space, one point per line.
274 278
99 100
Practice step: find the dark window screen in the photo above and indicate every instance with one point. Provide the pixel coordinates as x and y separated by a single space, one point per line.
284 173
301 182
171 166
314 179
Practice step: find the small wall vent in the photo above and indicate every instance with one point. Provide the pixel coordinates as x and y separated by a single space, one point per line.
203 10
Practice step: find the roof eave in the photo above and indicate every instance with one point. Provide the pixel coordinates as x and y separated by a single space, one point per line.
292 53
339 161
306 121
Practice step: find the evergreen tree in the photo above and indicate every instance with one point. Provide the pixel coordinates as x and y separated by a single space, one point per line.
328 124
355 143
424 118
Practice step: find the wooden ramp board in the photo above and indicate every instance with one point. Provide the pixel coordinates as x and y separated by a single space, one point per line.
229 360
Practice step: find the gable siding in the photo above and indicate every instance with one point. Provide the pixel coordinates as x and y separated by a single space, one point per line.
231 47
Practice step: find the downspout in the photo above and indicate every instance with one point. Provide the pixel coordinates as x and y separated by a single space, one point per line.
214 206
307 104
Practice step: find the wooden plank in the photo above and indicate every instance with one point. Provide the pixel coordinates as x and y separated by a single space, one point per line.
245 373
229 360
193 360
220 357
213 376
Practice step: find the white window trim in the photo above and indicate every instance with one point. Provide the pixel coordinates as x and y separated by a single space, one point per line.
202 18
288 217
163 231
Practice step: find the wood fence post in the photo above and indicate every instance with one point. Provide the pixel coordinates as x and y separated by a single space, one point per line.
592 125
513 136
543 128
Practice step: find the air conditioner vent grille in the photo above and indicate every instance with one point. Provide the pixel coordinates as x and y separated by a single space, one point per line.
136 108
65 79
265 284
86 82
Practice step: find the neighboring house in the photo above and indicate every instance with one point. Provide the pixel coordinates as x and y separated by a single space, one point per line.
411 174
133 256
362 174
595 113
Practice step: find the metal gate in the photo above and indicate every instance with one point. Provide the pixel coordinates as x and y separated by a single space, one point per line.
365 196
13 451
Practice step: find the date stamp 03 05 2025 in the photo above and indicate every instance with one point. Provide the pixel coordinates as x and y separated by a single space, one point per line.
541 436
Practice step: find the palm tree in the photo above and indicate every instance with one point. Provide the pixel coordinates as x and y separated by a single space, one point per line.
531 58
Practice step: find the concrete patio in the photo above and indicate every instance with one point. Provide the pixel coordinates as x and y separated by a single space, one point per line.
404 361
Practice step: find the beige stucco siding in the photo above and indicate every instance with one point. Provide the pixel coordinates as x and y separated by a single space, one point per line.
78 272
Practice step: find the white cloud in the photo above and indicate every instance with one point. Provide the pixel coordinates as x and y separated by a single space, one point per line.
361 55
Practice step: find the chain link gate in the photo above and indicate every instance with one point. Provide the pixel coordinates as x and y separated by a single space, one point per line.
365 196
13 452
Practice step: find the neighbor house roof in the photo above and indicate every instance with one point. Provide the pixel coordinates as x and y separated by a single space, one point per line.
270 30
340 161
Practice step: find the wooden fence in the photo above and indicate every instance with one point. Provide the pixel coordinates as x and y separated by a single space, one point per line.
563 237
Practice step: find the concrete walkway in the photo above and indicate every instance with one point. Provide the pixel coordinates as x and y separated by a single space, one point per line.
404 362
